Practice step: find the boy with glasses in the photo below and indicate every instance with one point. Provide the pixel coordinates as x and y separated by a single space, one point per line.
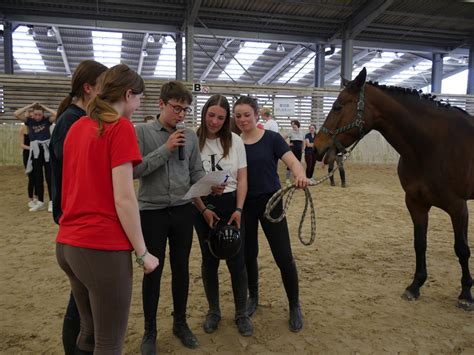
164 179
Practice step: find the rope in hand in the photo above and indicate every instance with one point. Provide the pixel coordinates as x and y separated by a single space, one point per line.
275 200
290 190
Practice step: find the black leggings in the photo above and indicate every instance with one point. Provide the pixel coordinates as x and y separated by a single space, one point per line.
38 165
175 224
310 159
279 240
224 207
31 180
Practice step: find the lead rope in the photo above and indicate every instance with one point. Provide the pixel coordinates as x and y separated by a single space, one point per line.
290 190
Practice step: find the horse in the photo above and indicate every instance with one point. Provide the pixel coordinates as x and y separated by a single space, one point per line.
436 166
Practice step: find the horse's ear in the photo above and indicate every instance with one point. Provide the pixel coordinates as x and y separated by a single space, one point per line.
360 78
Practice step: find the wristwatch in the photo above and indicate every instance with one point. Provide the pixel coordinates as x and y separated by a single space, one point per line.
139 259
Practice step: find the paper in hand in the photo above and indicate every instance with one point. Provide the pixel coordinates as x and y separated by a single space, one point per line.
203 186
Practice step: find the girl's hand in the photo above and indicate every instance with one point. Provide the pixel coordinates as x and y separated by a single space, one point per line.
151 262
210 217
235 217
218 189
301 182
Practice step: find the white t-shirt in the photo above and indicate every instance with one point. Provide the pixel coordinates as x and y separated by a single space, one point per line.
271 125
212 159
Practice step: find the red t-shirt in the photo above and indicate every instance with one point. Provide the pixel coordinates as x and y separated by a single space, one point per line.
89 217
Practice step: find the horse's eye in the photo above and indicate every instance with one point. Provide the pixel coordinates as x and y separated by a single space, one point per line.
337 107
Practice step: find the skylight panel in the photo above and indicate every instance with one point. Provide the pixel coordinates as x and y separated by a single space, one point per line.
26 52
376 63
246 56
107 47
166 64
419 70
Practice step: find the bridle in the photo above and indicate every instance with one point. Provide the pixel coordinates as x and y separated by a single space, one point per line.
358 122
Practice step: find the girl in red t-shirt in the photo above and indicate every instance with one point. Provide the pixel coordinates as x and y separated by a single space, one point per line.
100 223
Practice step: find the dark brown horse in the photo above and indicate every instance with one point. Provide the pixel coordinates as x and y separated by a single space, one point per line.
436 167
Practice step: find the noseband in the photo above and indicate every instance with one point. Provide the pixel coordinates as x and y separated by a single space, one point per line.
357 122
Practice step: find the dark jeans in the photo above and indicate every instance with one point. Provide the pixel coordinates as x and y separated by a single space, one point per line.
176 225
38 165
225 205
31 180
310 159
101 282
279 240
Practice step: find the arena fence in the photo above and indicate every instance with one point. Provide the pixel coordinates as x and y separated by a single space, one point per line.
309 105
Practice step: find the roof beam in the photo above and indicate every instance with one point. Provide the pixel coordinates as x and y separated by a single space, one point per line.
362 18
362 54
143 47
280 64
194 12
399 69
63 52
214 60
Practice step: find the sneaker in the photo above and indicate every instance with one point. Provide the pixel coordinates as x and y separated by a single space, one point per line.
32 203
50 206
39 207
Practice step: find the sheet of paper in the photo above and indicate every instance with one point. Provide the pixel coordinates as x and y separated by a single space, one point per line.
203 186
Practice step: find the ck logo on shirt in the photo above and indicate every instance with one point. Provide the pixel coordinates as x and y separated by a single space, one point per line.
213 163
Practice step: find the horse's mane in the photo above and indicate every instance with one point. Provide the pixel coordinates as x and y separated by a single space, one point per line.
428 98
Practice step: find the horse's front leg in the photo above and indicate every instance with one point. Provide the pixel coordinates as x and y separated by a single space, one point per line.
419 216
460 219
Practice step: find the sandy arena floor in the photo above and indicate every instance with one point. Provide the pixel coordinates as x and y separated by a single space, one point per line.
351 280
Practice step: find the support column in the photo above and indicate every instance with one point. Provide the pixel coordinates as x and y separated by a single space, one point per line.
346 56
189 53
8 47
470 73
437 73
179 56
319 66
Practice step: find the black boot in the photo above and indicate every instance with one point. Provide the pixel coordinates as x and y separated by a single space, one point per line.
78 351
212 322
252 302
239 289
296 318
182 331
71 328
148 346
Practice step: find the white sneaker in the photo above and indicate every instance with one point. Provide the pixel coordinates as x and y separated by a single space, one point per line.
32 203
50 206
39 207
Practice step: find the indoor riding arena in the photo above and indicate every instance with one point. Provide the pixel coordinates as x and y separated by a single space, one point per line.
353 276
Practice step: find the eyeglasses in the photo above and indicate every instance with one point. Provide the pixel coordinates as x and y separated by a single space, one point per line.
179 109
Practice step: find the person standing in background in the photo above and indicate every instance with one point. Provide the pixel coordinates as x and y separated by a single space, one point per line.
83 88
270 123
39 134
100 223
309 154
296 140
25 148
165 216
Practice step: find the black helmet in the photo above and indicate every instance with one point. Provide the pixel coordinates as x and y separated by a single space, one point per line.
224 240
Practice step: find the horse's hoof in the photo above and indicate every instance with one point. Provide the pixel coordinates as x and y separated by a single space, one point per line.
408 295
466 305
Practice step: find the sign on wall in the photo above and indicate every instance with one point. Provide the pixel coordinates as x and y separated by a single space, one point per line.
284 107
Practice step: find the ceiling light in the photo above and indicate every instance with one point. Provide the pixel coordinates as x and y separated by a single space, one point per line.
151 39
221 57
60 48
378 54
144 52
50 32
163 39
413 67
241 44
280 48
30 31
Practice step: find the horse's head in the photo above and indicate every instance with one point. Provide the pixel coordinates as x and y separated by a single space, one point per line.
345 123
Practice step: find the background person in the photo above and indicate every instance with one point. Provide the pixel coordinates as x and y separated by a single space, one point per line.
39 134
100 223
270 123
165 216
222 150
309 154
24 139
83 88
296 143
264 149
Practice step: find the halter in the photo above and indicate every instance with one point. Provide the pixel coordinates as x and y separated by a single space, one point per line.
357 122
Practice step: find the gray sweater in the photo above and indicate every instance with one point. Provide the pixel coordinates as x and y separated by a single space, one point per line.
164 179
